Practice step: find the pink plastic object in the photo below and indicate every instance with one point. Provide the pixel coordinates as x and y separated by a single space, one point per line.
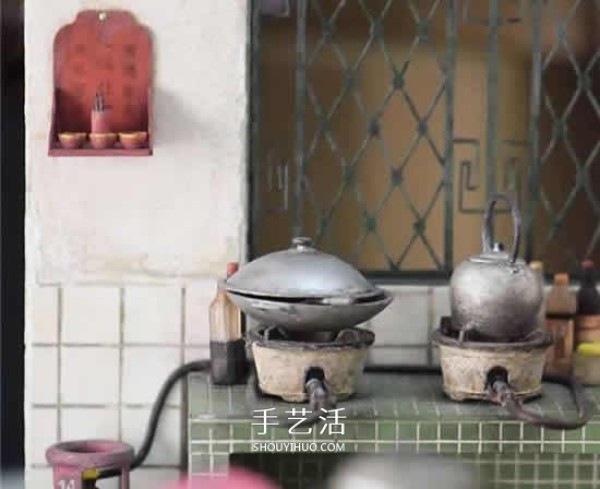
236 478
69 461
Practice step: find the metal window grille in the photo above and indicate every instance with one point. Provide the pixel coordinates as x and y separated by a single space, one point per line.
435 106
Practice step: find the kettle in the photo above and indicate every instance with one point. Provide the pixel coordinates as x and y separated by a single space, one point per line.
495 296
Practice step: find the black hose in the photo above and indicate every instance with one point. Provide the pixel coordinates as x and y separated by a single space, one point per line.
161 399
509 401
507 398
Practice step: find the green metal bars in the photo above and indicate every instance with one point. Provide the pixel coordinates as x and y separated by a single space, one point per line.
394 120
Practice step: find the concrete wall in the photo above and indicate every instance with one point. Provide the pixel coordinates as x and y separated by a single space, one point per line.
123 253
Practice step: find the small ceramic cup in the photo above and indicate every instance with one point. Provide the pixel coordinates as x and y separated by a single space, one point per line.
103 140
133 140
71 140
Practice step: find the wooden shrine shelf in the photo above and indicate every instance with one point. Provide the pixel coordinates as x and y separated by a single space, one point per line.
107 52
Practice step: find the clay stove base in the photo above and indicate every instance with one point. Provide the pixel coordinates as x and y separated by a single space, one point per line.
282 366
282 373
465 367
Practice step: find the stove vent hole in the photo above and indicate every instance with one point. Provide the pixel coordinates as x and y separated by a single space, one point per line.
315 373
496 374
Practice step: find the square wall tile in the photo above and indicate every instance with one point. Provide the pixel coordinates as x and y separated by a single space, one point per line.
405 320
44 362
89 375
80 423
38 478
197 353
90 315
198 297
166 449
151 478
41 433
386 355
144 371
153 315
112 483
45 314
441 305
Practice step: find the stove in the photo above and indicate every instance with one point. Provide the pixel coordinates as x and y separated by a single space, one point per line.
298 366
471 364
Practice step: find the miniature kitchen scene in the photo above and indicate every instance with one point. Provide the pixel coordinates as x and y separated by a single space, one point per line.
318 244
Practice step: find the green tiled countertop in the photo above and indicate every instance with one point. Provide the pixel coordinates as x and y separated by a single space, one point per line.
390 412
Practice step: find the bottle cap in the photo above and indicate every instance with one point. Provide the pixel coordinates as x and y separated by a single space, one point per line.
561 279
232 267
537 265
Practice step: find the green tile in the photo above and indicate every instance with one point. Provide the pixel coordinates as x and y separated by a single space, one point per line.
530 448
281 433
546 471
591 448
199 432
367 446
526 471
220 462
592 432
469 431
532 433
572 448
585 472
365 431
566 471
506 471
220 447
219 432
200 463
428 431
389 447
428 447
407 431
242 447
405 409
387 430
511 431
490 431
449 431
573 435
242 431
220 400
448 448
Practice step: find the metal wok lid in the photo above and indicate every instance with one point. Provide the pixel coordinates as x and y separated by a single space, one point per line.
301 272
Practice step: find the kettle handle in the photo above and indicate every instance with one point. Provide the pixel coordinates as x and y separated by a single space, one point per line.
486 234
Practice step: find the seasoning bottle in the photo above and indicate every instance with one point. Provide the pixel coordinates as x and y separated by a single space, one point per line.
587 322
561 305
227 346
538 269
588 299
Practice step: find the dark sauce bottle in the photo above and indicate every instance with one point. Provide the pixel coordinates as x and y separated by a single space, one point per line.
588 299
227 345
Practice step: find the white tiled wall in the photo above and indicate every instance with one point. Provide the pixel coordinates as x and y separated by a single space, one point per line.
100 354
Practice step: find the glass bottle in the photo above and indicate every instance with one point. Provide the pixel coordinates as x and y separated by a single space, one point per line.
227 346
561 302
588 299
561 305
